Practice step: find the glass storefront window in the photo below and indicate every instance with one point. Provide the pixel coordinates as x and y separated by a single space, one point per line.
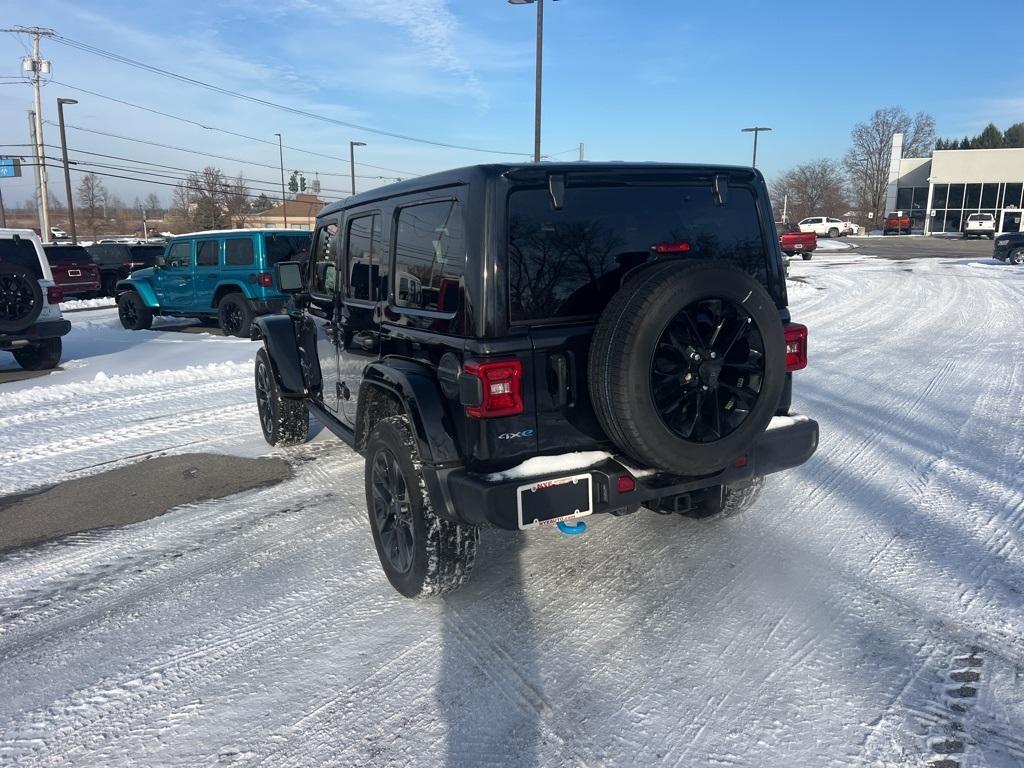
952 221
939 196
973 198
956 196
988 195
920 201
1012 195
904 197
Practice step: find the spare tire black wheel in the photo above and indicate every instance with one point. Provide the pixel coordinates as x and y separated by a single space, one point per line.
21 298
687 366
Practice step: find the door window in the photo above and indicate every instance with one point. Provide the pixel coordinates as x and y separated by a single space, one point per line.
238 252
179 256
430 256
364 258
208 253
323 278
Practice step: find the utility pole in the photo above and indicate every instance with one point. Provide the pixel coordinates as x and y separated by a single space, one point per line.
3 211
38 169
284 200
581 150
755 130
67 170
37 66
540 73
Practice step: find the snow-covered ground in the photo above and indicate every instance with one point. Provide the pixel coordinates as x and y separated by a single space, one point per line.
868 611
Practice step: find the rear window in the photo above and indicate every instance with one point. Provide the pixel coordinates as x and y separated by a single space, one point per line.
67 254
286 247
570 262
238 252
21 253
980 217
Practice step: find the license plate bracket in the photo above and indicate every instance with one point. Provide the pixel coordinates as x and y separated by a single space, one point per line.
551 501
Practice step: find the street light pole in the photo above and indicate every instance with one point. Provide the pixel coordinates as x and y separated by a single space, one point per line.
755 130
67 170
540 73
352 160
284 200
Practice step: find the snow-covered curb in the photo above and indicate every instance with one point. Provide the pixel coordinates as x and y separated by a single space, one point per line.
834 245
72 304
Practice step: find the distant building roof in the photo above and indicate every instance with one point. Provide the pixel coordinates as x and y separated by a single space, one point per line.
302 207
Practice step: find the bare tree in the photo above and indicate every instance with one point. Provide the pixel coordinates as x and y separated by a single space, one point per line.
200 201
152 203
867 160
92 197
814 188
236 200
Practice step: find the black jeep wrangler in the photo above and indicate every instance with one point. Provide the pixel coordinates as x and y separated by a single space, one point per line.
522 345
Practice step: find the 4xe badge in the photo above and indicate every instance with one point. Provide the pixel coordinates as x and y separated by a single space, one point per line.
515 435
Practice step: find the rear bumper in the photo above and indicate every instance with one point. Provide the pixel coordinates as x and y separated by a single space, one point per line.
268 306
48 329
79 286
473 499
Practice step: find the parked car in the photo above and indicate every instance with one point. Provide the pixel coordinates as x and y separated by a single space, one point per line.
509 389
1009 247
897 222
31 324
980 225
56 233
823 226
117 261
73 269
225 274
851 228
793 240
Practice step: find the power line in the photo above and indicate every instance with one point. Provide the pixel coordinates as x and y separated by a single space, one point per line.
405 174
266 103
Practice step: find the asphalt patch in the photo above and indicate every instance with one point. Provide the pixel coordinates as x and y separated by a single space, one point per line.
130 494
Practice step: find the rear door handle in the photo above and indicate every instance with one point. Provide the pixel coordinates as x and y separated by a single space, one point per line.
212 276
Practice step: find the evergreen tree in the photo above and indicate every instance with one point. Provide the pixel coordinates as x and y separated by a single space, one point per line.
1014 136
990 138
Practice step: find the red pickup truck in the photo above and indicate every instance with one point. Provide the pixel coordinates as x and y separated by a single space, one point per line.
897 222
792 241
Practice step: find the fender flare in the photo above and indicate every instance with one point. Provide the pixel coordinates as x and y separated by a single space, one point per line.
144 289
280 340
416 387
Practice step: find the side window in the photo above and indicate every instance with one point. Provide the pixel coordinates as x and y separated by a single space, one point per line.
364 257
179 255
323 278
238 252
208 253
430 256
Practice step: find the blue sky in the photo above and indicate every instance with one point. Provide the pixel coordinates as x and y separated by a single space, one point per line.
653 80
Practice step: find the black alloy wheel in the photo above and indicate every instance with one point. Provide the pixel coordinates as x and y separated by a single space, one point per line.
20 299
129 313
263 397
707 370
231 319
1016 256
392 510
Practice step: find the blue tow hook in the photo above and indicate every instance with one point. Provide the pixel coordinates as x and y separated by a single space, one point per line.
572 530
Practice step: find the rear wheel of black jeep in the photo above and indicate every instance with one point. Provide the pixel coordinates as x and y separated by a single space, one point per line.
21 298
133 313
687 366
421 552
235 315
284 421
727 500
109 285
40 356
1016 256
806 256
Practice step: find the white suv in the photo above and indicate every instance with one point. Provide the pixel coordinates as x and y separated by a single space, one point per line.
31 324
980 224
823 226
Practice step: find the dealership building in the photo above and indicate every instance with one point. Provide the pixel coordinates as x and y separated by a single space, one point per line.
939 192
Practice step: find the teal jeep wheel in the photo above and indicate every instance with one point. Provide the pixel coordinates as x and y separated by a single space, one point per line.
133 313
235 315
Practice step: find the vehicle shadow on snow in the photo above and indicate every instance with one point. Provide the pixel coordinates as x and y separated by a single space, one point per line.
492 705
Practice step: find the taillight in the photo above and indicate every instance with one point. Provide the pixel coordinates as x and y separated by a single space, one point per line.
625 484
266 280
672 248
796 346
501 387
54 294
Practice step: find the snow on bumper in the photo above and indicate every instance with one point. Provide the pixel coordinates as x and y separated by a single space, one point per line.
788 442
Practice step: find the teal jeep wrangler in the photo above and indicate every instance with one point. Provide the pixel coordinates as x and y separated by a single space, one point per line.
227 274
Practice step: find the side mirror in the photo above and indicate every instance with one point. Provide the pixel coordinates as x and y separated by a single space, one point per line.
160 262
289 276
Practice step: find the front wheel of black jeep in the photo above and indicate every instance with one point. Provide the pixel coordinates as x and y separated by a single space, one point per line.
133 313
40 356
421 552
1016 256
235 315
284 421
687 366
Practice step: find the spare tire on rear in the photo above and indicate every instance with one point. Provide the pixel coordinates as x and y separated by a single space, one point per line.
687 365
21 298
